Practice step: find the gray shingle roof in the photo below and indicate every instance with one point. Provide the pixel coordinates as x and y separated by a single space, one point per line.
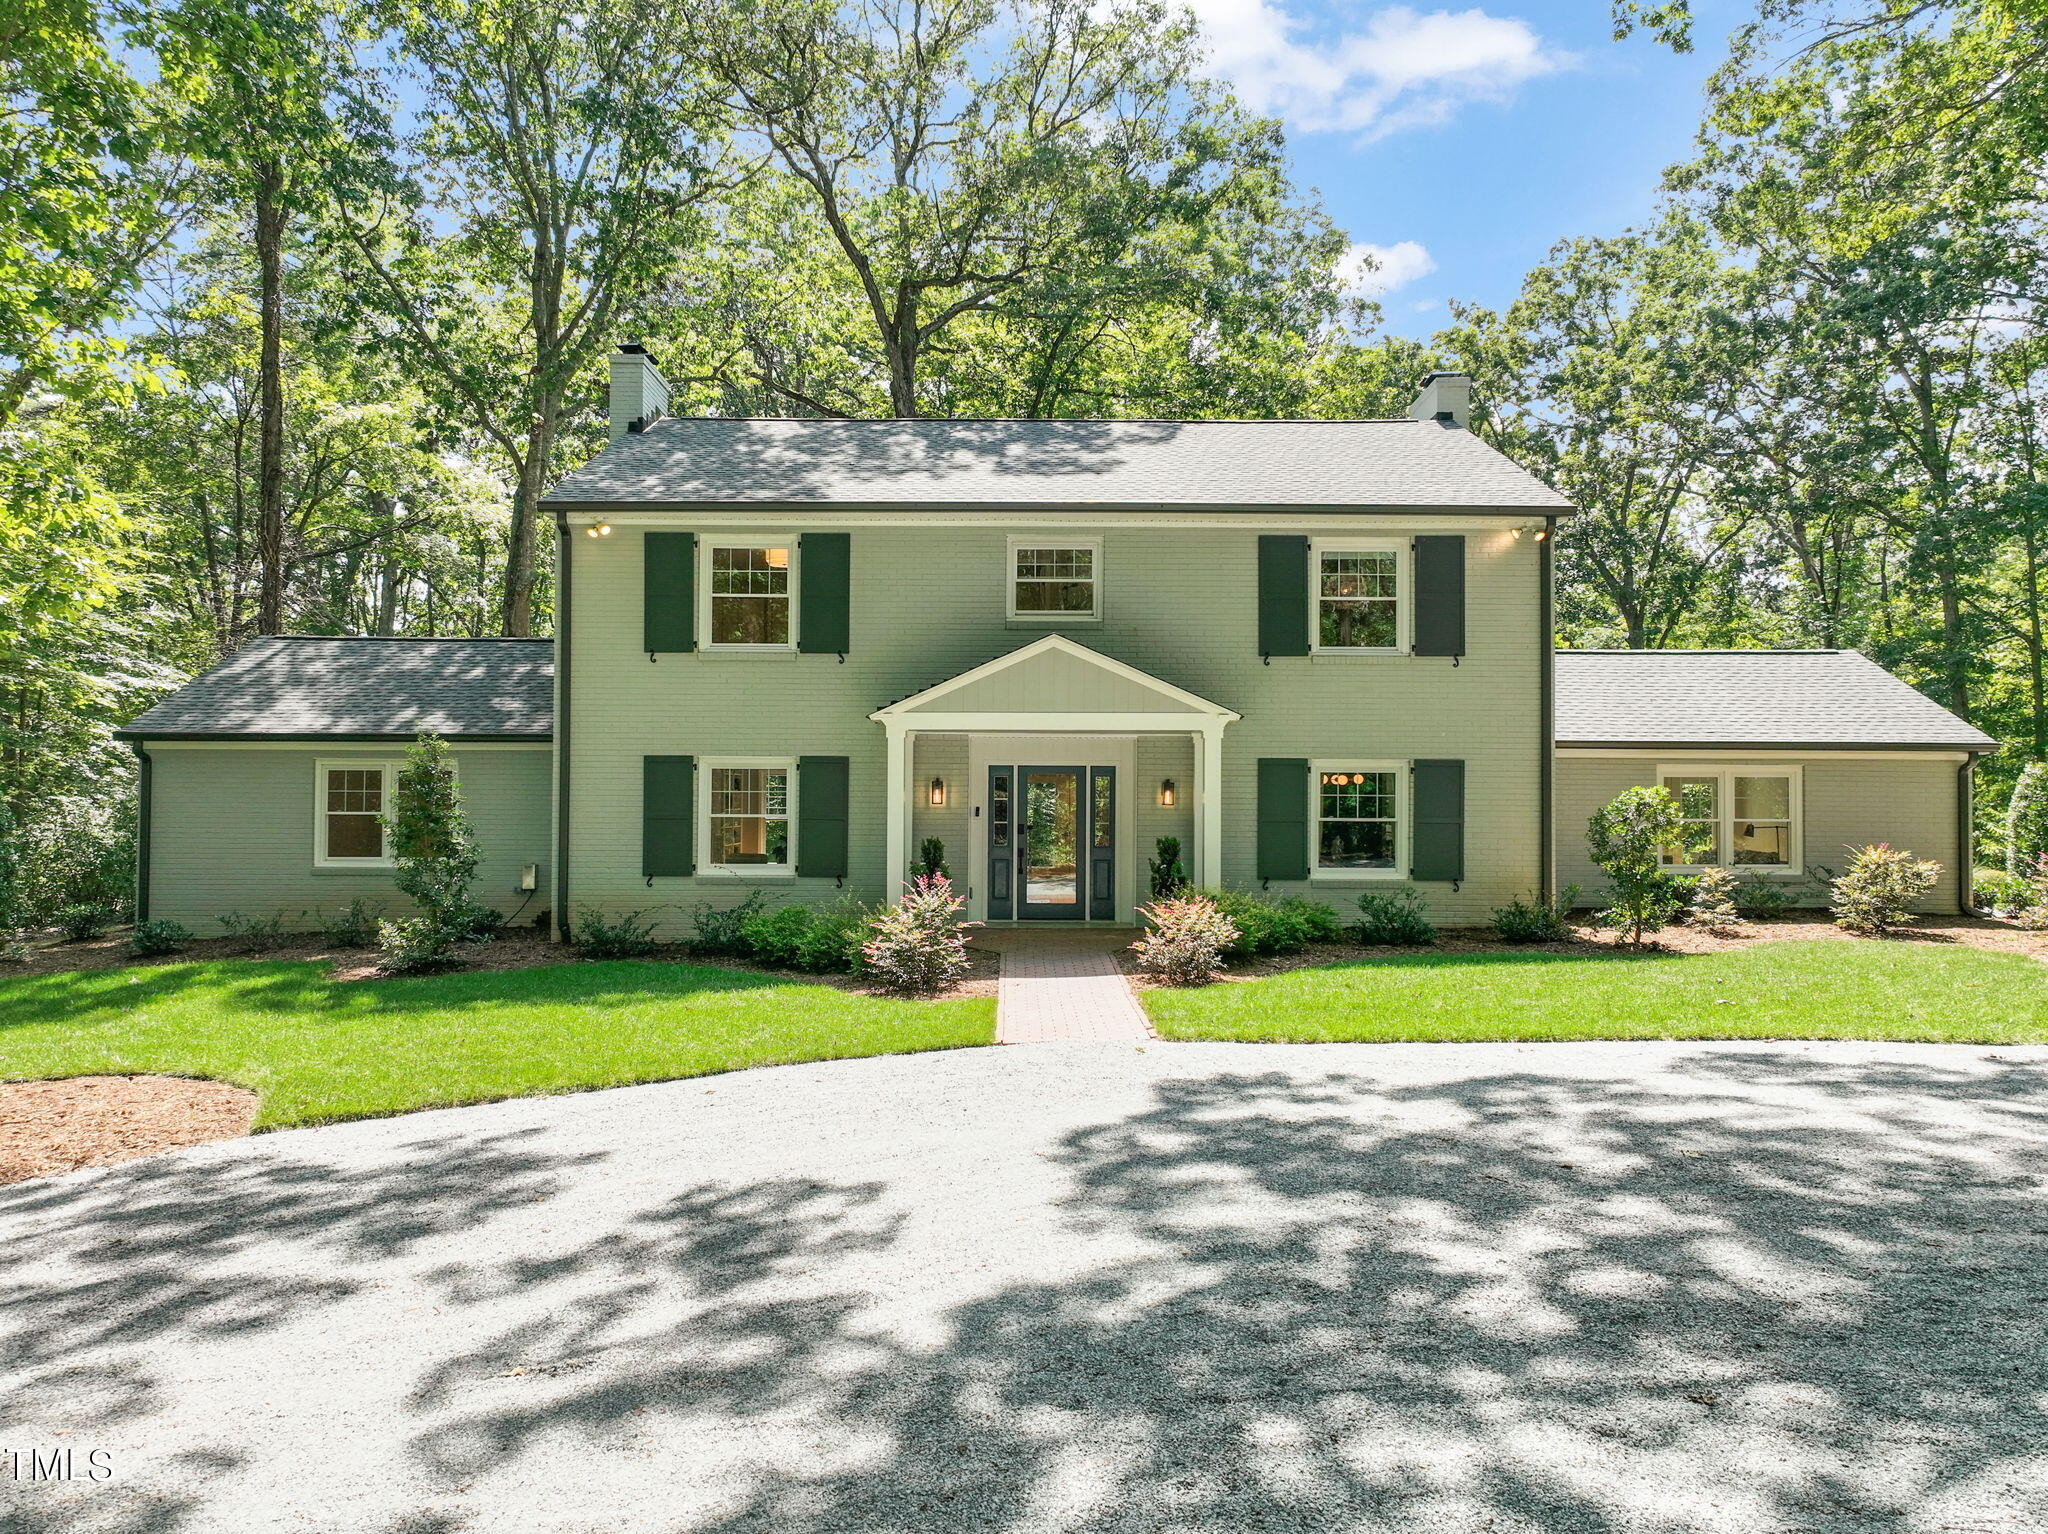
293 686
695 461
1824 698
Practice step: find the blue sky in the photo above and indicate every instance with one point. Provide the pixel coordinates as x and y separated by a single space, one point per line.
1462 143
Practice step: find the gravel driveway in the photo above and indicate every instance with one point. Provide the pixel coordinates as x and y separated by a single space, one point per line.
1503 1288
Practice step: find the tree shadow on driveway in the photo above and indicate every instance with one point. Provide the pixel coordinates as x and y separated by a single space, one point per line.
1763 1291
1516 1301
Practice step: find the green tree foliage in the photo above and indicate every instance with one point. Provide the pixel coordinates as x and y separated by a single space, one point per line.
431 842
572 149
2026 820
303 306
1005 210
1608 377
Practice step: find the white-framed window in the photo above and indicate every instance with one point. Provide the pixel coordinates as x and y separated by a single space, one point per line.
747 823
351 796
1744 817
1360 821
1358 592
1055 580
749 593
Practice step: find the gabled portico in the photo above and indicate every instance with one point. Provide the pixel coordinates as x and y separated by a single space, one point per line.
1063 695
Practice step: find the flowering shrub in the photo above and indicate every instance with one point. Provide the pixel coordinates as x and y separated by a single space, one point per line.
1184 940
1878 891
919 944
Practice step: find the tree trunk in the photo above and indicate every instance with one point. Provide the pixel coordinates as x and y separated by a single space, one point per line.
1955 662
387 568
2037 645
270 219
517 618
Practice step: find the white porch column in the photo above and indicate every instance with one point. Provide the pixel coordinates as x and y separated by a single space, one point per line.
1209 808
897 861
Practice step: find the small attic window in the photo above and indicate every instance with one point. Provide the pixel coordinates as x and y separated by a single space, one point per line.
1055 581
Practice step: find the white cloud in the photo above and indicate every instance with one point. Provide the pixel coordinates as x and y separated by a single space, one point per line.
1373 271
1403 70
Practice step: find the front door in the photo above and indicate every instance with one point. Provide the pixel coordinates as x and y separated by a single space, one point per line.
1052 843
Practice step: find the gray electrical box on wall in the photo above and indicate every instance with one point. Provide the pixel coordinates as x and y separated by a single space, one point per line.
529 876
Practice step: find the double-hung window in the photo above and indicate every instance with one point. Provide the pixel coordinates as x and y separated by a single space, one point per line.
1360 811
747 815
1741 817
350 800
748 589
1357 595
1055 580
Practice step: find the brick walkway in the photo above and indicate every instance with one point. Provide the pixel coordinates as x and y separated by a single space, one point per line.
1065 988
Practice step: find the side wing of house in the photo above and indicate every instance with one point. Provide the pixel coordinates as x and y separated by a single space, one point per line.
264 781
1785 761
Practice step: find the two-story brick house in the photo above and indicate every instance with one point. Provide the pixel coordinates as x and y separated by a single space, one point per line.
791 652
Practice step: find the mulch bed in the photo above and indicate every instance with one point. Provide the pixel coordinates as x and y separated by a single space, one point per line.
49 1127
518 950
1590 942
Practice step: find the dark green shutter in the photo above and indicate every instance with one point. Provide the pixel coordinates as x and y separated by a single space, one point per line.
821 808
1440 595
668 824
1437 806
1283 817
1283 595
668 601
824 583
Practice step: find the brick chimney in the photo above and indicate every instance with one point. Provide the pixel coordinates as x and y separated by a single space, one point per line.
639 394
1445 397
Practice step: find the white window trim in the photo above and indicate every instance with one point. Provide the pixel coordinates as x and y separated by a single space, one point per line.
392 767
1321 875
706 765
1401 549
1724 833
705 544
1018 541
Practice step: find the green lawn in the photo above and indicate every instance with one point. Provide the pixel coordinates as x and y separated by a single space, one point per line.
318 1049
1897 989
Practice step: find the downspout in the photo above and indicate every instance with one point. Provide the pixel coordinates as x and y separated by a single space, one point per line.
144 796
1966 848
561 732
1546 652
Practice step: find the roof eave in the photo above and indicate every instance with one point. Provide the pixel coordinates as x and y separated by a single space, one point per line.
1275 508
1982 747
367 737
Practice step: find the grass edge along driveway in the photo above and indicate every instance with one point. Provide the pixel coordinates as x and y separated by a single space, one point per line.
1900 989
316 1050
